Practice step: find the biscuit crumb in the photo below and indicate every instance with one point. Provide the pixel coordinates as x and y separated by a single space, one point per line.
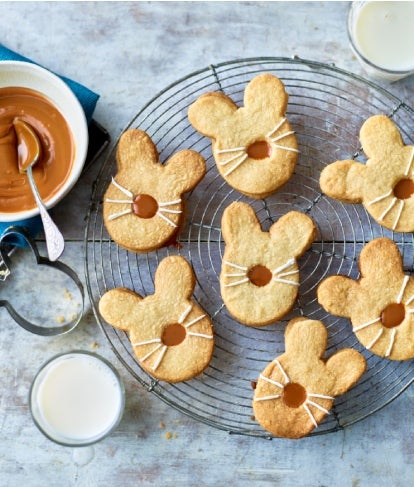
162 425
94 345
60 319
67 294
168 435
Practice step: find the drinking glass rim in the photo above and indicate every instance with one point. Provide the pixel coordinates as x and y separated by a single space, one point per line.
95 439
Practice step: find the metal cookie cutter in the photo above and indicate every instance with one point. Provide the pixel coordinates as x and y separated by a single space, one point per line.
20 236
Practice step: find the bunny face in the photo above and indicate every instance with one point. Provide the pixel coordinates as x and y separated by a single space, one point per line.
259 278
254 147
296 391
380 304
143 206
385 185
171 336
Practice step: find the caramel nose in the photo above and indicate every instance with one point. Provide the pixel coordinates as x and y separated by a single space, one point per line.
393 315
173 335
145 206
259 150
294 395
404 189
259 275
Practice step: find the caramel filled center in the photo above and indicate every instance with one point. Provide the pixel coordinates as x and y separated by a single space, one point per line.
259 150
145 206
173 335
404 189
259 275
393 315
294 395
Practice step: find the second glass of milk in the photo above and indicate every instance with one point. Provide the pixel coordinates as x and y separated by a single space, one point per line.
77 399
382 36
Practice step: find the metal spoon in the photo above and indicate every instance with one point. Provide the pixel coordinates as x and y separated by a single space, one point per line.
29 150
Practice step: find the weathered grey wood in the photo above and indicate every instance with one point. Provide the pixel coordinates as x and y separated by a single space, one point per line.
128 52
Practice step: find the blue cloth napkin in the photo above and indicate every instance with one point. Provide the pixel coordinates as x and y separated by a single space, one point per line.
87 99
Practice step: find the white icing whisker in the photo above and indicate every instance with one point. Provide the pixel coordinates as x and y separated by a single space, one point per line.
146 342
165 218
374 341
267 398
235 149
237 266
194 321
236 165
271 381
109 200
291 149
184 315
121 188
391 344
275 139
380 198
169 203
404 285
312 418
236 283
231 159
410 161
285 376
159 358
201 335
364 325
388 209
275 129
121 213
397 219
318 406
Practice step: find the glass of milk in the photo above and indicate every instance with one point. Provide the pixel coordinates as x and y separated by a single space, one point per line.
77 399
382 36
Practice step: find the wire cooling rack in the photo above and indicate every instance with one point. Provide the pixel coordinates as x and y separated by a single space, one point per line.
327 107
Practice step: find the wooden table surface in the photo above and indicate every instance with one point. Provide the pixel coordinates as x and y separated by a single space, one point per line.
128 52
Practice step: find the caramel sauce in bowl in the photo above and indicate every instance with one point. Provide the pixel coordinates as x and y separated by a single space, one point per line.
41 99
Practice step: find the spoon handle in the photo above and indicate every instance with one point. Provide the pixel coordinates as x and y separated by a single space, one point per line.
54 239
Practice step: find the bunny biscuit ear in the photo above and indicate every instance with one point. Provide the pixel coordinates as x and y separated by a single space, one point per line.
210 112
174 277
305 338
117 307
136 152
266 94
295 231
338 295
347 366
380 136
187 169
343 180
381 257
239 220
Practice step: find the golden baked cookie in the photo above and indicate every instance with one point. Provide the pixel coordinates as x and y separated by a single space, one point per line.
259 277
143 207
385 184
172 337
297 389
380 304
254 147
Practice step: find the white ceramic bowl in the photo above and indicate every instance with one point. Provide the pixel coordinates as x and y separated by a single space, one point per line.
28 75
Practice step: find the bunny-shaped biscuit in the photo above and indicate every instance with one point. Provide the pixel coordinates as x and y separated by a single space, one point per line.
297 389
143 207
254 147
380 304
259 278
385 184
171 336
